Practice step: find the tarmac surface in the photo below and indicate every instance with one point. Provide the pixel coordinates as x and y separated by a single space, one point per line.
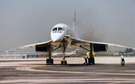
35 71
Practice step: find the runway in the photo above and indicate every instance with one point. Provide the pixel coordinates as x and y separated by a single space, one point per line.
36 72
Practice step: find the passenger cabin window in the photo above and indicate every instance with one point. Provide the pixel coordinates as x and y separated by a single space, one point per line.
54 29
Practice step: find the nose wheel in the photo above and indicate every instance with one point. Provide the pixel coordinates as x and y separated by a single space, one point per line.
63 62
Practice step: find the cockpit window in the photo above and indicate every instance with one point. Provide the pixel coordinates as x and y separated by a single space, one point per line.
60 29
54 29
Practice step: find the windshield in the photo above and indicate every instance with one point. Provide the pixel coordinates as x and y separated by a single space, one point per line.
54 29
60 29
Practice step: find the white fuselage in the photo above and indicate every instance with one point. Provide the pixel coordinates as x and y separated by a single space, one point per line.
60 30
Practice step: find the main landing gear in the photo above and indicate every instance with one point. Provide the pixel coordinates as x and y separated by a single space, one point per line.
49 61
91 61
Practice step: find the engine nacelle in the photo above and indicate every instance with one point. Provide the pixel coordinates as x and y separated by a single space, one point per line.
42 48
100 47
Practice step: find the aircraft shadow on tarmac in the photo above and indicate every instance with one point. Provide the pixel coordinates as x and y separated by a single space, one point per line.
69 65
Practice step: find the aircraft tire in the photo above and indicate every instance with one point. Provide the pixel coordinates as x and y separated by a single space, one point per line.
93 61
49 61
65 62
61 62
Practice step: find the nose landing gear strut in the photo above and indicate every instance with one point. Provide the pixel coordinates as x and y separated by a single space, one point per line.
64 62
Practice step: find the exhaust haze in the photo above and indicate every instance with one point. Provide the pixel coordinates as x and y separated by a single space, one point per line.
24 22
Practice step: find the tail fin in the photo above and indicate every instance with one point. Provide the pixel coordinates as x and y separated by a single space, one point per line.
74 20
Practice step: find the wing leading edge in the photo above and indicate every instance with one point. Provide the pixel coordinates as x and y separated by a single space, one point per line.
75 43
32 45
86 43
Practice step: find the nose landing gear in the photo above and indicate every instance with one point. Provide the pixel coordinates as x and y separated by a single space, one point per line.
64 62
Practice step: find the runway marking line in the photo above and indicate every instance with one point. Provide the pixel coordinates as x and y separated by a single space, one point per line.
71 80
50 71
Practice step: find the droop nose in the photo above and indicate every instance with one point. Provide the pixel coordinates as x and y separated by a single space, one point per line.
57 34
56 37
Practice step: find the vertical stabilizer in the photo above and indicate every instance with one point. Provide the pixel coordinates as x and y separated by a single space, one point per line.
74 20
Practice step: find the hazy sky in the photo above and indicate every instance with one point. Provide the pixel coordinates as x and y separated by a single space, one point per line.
25 22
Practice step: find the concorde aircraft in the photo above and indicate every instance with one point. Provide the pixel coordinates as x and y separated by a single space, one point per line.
62 36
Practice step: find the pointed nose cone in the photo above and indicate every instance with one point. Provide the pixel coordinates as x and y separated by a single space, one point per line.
56 37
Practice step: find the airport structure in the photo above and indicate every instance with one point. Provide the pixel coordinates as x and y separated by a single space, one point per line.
26 55
21 55
13 56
